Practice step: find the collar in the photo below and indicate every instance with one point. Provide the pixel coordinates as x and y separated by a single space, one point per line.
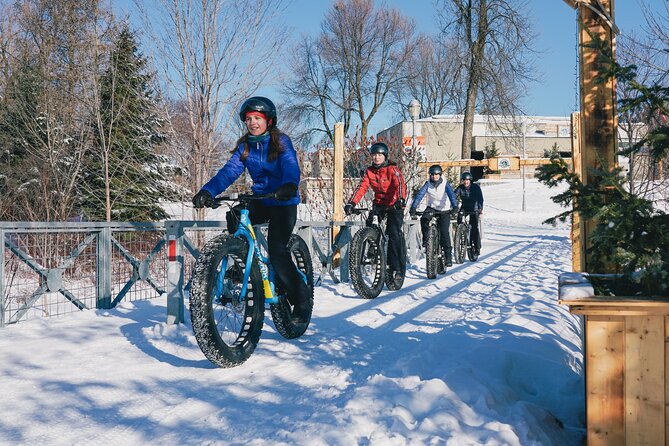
251 138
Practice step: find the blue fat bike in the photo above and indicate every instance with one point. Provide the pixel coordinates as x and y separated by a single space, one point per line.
368 266
232 280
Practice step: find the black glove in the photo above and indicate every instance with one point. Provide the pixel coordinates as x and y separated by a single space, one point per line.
348 208
399 204
412 212
454 212
203 199
285 192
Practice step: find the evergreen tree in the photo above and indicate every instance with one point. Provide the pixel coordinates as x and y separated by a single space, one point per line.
123 180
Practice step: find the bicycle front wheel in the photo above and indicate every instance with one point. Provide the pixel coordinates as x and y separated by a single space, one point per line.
460 247
227 325
432 249
367 264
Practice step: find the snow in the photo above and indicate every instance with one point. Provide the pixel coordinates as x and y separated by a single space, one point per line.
481 355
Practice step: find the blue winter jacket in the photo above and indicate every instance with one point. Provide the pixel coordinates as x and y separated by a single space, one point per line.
267 175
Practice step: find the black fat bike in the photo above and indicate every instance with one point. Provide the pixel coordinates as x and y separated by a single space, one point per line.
368 266
435 257
462 244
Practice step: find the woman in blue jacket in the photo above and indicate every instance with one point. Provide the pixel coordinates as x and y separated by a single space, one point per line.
271 161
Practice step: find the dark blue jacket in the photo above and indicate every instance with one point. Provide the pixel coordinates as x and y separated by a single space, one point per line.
267 175
472 198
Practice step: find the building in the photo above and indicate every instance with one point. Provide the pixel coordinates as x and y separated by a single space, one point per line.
531 136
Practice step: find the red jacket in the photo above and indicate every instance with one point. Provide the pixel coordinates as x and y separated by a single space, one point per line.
386 182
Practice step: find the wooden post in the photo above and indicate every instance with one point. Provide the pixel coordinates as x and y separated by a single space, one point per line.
338 177
577 247
598 100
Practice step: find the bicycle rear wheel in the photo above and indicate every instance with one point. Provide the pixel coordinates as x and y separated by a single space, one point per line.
227 326
367 264
460 246
281 311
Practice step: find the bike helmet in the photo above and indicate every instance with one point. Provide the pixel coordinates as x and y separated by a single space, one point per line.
435 169
259 104
466 176
379 147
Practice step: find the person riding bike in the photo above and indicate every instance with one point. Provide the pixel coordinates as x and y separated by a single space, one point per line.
270 159
440 201
472 202
387 182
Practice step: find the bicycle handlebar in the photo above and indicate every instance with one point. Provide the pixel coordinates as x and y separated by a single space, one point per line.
242 198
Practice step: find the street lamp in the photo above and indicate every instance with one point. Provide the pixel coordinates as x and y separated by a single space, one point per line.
414 112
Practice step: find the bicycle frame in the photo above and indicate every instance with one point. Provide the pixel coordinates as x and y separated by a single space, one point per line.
245 230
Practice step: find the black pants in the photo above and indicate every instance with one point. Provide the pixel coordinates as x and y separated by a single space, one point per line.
444 225
281 221
394 222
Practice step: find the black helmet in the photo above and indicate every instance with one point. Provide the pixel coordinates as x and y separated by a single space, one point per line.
379 147
259 104
466 176
435 168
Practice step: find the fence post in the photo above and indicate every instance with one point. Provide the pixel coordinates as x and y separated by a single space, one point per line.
175 272
104 267
2 277
344 242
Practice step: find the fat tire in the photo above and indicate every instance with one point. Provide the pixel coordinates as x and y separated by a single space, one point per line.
432 252
359 265
241 323
282 311
460 243
395 284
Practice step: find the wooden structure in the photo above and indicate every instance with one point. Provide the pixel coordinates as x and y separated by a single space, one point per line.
626 367
510 162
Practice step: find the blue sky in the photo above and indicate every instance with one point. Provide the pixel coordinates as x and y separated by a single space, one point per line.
555 26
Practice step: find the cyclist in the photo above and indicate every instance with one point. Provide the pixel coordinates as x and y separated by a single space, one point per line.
440 202
385 179
270 159
472 202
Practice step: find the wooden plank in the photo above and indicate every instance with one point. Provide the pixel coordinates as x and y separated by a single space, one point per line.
644 380
666 380
604 366
577 227
338 177
612 312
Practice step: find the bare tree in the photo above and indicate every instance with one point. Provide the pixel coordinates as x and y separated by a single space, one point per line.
359 57
215 53
45 120
435 79
494 40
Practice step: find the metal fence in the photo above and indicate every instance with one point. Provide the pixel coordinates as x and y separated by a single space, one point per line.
52 269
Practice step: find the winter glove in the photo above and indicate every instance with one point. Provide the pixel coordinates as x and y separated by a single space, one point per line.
348 208
399 204
203 199
412 212
285 192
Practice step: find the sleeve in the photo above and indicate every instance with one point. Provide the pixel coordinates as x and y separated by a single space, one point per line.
226 175
290 168
480 197
401 186
362 188
451 196
419 196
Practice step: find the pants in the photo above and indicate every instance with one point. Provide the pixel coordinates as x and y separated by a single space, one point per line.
394 222
474 237
281 221
444 226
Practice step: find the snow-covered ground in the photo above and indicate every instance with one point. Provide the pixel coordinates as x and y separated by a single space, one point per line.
480 355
